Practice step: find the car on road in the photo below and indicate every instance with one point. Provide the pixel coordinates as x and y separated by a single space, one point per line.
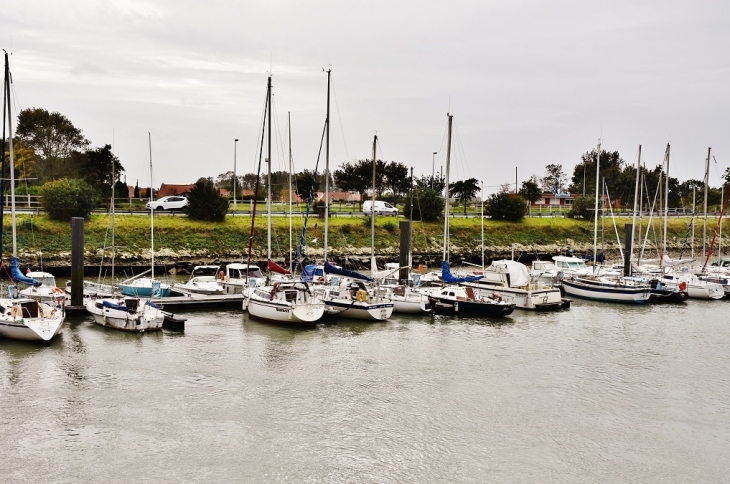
173 202
380 208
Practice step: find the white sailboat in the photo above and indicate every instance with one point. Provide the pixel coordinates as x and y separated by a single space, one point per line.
23 318
283 302
601 287
130 312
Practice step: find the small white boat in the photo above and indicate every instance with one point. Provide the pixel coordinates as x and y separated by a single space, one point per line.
696 288
205 284
46 290
284 303
352 300
29 320
241 276
126 314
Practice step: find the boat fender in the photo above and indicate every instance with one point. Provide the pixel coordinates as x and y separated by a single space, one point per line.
420 268
16 311
221 276
361 295
682 286
561 275
456 306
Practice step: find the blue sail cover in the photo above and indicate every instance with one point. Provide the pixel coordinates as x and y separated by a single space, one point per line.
18 276
448 277
111 305
329 268
308 273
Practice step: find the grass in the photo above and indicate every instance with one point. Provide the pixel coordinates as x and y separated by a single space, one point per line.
347 235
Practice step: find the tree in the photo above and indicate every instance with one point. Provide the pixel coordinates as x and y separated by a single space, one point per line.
53 137
505 206
304 182
397 179
66 198
427 205
358 177
555 180
136 189
205 202
464 191
97 169
531 191
436 183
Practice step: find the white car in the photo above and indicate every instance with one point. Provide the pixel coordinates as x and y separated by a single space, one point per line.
173 202
381 208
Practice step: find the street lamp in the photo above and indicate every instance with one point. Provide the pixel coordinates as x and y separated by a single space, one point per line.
235 141
433 167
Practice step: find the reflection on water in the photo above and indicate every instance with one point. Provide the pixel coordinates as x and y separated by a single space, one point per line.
597 393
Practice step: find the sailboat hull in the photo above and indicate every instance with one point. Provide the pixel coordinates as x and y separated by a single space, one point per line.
359 310
35 321
607 292
303 314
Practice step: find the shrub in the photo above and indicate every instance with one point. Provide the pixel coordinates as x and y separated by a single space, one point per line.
66 198
504 206
206 203
582 208
390 227
427 205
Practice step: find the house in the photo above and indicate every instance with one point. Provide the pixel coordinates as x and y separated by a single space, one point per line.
563 200
167 189
339 196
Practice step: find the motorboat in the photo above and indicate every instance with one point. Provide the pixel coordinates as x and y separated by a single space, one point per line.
240 276
511 279
46 290
464 300
203 284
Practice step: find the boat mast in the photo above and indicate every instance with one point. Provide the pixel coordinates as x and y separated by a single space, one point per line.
636 196
268 178
12 158
152 216
291 261
113 249
482 249
595 212
666 201
704 223
372 206
327 169
6 101
446 188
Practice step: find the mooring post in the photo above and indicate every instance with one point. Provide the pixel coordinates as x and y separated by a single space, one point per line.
628 240
405 250
77 261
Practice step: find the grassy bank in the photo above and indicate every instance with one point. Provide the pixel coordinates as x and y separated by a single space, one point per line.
179 238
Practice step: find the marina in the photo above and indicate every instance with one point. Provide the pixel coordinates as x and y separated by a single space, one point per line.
602 392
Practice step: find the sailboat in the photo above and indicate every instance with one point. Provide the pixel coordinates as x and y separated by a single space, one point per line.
601 287
288 302
22 318
455 298
404 298
128 312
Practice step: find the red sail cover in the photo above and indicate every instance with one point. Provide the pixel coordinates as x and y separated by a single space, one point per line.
274 267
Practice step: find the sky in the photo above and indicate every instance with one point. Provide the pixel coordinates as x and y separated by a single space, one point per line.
529 82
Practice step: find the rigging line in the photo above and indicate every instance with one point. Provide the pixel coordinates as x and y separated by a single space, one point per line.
280 145
339 117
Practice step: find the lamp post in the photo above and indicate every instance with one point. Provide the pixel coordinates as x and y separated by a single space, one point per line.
433 167
235 142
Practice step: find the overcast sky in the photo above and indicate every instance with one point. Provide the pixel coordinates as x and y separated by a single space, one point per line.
529 82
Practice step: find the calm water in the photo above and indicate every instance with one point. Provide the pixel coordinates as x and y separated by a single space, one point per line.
600 393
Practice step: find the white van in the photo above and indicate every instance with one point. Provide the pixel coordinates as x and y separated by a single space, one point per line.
380 208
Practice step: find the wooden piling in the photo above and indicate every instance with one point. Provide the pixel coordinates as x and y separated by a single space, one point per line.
405 250
77 261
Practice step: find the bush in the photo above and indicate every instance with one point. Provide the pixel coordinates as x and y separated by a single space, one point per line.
504 206
390 227
582 208
427 205
66 198
206 203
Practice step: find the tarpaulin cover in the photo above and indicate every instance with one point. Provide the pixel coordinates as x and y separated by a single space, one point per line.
448 277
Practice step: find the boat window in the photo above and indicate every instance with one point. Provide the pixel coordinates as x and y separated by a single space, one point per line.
290 296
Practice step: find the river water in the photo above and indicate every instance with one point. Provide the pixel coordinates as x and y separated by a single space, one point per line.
599 393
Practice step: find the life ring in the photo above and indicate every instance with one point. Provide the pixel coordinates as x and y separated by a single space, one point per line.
221 275
57 291
361 295
682 286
